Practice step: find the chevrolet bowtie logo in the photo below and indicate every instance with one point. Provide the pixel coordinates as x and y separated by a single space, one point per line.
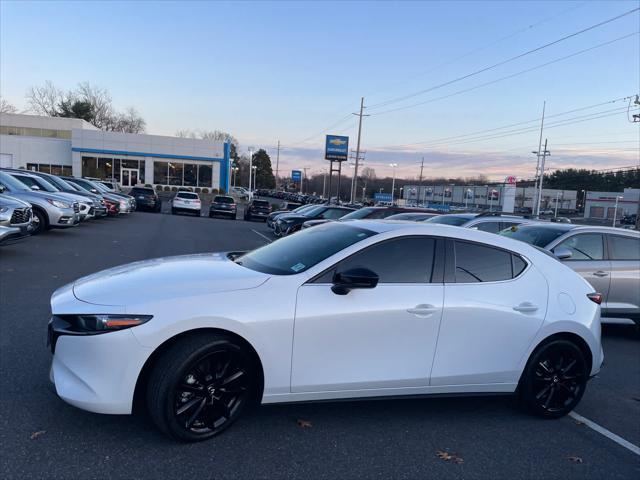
337 141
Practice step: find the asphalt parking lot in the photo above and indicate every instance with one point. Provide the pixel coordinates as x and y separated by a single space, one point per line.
481 437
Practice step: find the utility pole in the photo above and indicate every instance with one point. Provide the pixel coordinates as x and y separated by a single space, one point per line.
277 163
541 154
354 180
535 208
420 187
324 182
305 178
354 193
250 165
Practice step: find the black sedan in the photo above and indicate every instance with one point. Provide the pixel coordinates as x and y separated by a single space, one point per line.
146 199
292 222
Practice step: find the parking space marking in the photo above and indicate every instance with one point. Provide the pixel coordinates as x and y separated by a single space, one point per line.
610 435
263 236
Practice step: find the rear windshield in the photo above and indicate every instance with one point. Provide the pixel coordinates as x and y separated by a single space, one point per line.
297 253
224 200
449 220
146 191
539 236
261 203
187 195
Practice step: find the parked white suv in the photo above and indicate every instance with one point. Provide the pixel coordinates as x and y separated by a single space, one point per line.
186 202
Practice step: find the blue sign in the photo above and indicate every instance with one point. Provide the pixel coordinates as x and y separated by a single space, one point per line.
336 148
382 197
296 176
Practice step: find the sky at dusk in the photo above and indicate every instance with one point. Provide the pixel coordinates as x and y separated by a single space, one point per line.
461 84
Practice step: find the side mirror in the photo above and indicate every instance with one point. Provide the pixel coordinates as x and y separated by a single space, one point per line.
2 189
344 282
562 253
35 187
95 190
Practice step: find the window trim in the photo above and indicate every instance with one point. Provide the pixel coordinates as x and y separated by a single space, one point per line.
609 247
450 273
438 261
605 247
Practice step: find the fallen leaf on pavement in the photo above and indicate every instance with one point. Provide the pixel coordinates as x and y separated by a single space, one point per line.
35 435
304 423
449 457
575 459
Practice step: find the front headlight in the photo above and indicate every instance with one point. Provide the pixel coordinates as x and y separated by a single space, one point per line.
3 209
103 323
59 204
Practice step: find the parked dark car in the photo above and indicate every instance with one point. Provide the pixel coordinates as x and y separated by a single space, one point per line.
271 218
257 209
292 222
376 213
223 205
146 199
413 216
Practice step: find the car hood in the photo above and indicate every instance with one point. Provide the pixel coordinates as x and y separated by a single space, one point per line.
165 278
9 201
294 217
313 223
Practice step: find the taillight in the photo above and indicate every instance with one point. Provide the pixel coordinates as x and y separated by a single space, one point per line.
595 297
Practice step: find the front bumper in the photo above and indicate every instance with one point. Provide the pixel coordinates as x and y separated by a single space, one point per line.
87 374
64 218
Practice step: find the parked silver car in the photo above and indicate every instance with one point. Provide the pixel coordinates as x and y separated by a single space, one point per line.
608 258
41 185
492 222
51 210
17 216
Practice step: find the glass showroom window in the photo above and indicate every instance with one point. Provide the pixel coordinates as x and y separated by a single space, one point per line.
105 167
160 173
204 175
190 175
175 173
89 166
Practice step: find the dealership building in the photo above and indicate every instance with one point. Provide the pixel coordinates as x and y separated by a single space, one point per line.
70 146
603 205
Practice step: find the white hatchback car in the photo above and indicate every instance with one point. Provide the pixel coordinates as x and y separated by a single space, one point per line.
186 202
379 308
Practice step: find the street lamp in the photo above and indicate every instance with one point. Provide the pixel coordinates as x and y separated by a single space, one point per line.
250 149
466 198
393 183
615 211
234 170
255 176
555 214
493 191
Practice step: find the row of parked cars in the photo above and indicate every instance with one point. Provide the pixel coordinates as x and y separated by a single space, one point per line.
33 202
608 258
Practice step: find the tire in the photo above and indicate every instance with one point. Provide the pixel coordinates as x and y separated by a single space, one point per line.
42 222
200 386
554 379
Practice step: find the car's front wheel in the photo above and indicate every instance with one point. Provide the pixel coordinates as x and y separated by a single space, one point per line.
554 379
200 386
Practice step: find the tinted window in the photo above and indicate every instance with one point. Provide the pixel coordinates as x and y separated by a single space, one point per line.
369 212
334 213
624 248
261 203
299 252
402 260
224 200
189 196
585 246
142 191
534 235
479 263
449 220
518 265
491 227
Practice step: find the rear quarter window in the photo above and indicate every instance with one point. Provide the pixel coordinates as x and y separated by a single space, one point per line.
481 263
623 248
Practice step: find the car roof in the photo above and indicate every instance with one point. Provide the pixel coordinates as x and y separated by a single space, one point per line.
566 227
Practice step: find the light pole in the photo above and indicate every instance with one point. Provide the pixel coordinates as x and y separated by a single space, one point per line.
466 198
615 210
324 181
401 190
255 176
393 182
555 214
493 190
363 192
235 170
250 165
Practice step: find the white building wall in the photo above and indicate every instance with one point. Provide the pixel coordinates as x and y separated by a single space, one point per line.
26 150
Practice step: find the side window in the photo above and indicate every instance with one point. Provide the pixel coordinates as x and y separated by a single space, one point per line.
584 246
479 263
518 265
504 225
333 214
401 260
623 248
491 227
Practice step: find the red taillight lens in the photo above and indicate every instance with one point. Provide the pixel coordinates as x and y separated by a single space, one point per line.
595 297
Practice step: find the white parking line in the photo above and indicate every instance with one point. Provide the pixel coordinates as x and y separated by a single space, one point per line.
263 236
610 435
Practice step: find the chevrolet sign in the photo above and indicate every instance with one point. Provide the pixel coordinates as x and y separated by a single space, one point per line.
336 148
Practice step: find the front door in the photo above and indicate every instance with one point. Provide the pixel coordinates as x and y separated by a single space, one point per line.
384 337
129 177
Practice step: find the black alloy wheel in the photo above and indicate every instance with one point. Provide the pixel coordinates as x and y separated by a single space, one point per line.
555 379
39 222
200 387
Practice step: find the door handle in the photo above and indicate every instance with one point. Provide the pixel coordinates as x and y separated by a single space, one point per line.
526 307
601 273
423 310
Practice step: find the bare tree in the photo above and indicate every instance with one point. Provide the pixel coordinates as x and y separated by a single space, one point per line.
6 107
100 99
128 122
44 100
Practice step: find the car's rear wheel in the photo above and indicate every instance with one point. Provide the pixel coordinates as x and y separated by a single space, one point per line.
554 379
200 386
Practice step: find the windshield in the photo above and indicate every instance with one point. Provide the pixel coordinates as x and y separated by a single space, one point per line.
299 252
12 184
223 200
44 185
539 236
316 210
449 220
362 213
58 182
100 187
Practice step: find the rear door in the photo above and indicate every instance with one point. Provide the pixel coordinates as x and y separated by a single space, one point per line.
494 305
624 287
589 260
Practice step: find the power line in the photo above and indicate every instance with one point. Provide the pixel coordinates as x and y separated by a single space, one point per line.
503 62
506 77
